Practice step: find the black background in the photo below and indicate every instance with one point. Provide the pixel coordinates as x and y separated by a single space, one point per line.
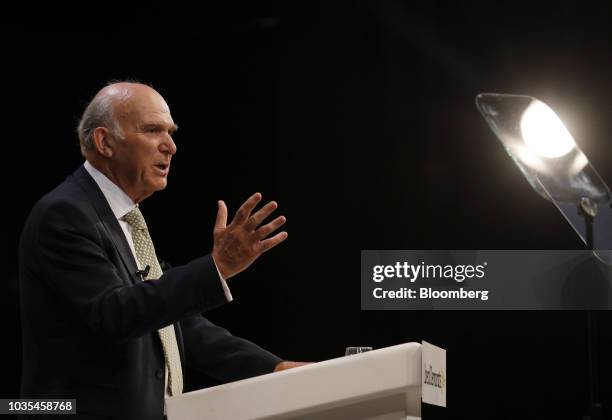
359 119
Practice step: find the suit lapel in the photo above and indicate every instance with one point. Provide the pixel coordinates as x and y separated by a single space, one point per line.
111 224
107 217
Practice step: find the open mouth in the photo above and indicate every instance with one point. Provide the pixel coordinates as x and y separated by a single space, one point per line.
163 168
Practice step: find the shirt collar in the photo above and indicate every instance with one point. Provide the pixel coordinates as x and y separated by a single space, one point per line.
119 202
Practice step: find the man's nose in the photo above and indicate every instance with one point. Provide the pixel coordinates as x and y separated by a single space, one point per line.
168 146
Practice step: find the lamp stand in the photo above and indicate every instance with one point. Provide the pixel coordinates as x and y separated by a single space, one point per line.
588 209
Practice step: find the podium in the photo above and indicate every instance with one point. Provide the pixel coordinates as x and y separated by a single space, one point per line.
382 384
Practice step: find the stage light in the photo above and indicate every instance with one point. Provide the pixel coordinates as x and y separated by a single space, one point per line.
549 158
547 155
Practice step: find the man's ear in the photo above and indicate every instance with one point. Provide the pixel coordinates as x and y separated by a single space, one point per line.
102 140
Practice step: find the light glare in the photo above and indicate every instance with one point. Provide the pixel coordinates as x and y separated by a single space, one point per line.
544 133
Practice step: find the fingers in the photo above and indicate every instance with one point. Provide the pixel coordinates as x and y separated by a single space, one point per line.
270 243
221 220
240 243
284 365
247 207
267 229
260 215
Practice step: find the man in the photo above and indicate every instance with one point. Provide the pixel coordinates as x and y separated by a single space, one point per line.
101 322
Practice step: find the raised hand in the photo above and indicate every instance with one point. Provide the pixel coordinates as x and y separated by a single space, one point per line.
241 242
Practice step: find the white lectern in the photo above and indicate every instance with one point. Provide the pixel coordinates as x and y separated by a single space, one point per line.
382 384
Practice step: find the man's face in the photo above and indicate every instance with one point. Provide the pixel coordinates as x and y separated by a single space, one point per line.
141 159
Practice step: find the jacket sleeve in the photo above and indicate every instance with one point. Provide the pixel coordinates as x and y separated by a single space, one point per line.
215 356
70 260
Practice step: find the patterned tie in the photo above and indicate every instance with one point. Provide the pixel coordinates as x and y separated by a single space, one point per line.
145 252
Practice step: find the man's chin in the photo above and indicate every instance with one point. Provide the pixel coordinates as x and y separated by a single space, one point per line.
156 185
162 184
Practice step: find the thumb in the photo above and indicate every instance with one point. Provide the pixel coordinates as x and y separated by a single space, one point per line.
221 221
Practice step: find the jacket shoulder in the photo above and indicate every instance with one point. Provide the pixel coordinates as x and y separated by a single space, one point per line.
64 206
68 197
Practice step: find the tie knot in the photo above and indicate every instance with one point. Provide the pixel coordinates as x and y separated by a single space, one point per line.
135 219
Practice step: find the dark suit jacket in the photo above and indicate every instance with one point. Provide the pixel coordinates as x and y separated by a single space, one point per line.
90 323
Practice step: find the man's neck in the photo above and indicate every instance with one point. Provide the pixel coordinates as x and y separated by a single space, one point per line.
106 170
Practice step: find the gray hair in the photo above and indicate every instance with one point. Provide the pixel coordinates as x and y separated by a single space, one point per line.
100 112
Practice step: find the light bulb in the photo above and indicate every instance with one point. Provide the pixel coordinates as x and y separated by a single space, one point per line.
543 131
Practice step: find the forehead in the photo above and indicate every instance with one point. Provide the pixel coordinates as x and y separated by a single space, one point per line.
145 105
